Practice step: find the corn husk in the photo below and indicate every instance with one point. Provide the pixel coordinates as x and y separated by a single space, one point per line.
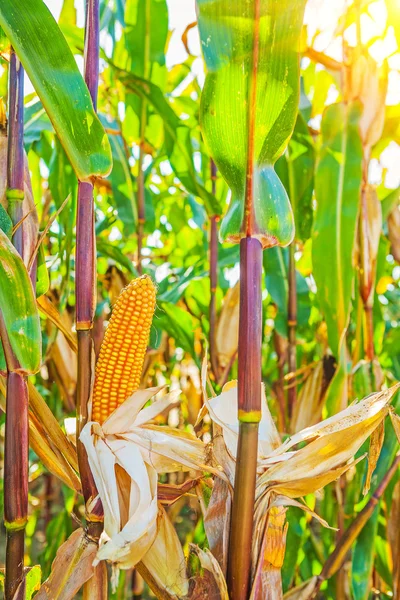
285 474
125 454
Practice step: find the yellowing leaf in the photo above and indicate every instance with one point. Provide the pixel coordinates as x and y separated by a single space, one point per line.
227 333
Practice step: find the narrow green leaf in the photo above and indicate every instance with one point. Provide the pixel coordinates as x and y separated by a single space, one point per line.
249 108
296 170
18 307
121 181
276 279
177 139
179 325
52 69
337 189
42 278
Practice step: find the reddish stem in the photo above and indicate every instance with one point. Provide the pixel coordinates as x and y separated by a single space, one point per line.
249 412
292 323
213 279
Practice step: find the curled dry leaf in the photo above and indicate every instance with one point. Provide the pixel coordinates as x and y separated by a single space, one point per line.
375 447
227 333
72 567
48 440
303 591
216 588
166 561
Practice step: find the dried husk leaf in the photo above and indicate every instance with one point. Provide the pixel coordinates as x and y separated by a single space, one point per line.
362 412
223 412
47 307
370 233
267 580
210 564
227 334
30 226
368 83
217 522
393 530
303 591
375 447
97 586
65 364
310 401
396 423
394 232
165 560
72 567
48 440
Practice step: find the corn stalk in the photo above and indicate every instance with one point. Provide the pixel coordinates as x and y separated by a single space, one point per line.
245 141
16 432
86 283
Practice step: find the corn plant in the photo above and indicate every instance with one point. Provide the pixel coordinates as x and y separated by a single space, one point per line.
199 284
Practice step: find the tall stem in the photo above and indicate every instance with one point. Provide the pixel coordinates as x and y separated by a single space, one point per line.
85 284
213 277
143 122
249 413
292 323
16 431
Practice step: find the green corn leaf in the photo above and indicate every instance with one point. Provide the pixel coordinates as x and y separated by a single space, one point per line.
337 189
142 52
5 222
179 325
121 180
296 170
18 307
249 108
51 67
177 139
276 279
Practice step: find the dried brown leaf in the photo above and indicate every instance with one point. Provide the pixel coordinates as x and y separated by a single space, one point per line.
72 567
217 587
217 521
226 338
303 591
47 307
267 581
375 447
309 404
97 586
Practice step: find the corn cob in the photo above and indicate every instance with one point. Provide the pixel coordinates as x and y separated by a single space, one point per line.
120 364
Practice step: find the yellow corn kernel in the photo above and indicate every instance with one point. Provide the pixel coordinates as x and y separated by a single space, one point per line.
120 364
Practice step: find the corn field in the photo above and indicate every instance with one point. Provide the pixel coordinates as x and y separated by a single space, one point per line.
200 299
